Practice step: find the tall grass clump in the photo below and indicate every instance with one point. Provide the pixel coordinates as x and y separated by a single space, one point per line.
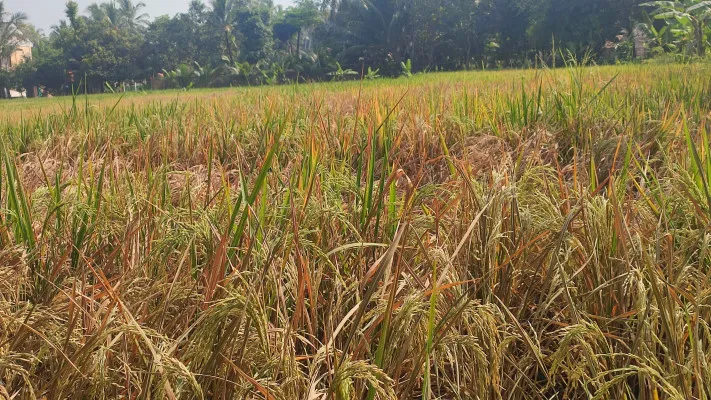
507 235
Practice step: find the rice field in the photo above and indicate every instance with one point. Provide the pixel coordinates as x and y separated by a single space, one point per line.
539 234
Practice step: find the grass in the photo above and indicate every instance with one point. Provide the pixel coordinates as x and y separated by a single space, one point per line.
501 235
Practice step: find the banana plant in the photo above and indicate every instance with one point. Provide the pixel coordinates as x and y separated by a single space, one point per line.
406 67
372 74
242 72
662 39
204 76
181 77
340 74
689 19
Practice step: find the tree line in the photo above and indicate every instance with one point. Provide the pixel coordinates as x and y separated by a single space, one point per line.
247 42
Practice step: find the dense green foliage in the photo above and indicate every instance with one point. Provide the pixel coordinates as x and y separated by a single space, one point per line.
10 36
231 42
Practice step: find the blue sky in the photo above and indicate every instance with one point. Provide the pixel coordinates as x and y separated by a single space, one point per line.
45 13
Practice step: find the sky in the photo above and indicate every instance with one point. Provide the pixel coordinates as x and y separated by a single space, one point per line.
46 13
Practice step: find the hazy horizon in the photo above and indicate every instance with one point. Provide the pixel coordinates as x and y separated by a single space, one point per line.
44 14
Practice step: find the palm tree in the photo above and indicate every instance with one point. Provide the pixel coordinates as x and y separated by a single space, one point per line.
224 15
105 12
331 6
302 16
372 28
124 14
132 16
72 13
10 34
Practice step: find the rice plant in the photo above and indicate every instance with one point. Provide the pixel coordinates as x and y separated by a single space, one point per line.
527 234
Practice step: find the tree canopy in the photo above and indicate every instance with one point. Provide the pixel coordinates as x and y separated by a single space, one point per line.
10 30
230 42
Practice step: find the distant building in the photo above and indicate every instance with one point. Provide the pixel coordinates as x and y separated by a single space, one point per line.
23 51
